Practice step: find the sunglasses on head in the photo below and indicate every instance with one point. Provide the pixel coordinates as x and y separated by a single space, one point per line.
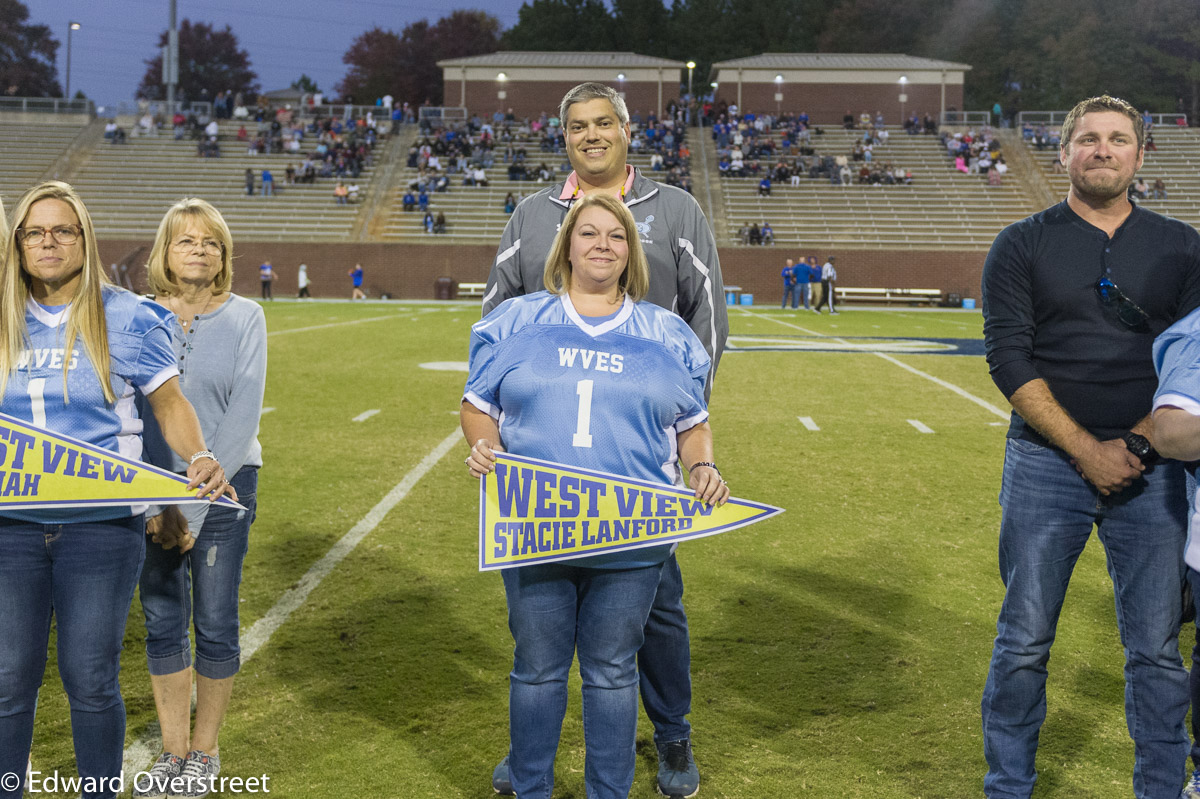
1128 312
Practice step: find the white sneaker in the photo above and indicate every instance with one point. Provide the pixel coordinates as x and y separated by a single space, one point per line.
1192 789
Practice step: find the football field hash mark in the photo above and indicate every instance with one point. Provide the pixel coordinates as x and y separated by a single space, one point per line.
365 415
921 426
808 422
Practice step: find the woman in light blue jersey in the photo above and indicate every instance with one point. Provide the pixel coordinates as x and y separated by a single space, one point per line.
194 568
633 406
73 349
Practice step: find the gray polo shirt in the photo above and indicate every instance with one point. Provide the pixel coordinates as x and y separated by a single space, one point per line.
223 373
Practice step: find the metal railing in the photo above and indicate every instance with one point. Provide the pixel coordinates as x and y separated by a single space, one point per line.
47 105
1056 118
966 117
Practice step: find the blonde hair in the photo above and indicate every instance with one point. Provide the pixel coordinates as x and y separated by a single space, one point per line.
634 281
86 316
189 209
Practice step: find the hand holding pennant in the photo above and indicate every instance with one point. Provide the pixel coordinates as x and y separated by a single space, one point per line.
43 469
535 511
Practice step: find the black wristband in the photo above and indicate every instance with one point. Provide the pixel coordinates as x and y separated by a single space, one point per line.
712 466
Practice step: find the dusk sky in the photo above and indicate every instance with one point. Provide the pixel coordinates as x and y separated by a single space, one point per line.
283 37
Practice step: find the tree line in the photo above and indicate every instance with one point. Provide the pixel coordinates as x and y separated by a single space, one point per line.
1028 54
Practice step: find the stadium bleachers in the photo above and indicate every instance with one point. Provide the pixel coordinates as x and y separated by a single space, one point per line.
30 151
129 187
942 209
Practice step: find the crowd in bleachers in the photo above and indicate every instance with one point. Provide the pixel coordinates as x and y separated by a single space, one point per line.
976 153
784 150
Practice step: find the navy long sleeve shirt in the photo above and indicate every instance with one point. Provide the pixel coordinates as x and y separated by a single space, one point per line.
1044 319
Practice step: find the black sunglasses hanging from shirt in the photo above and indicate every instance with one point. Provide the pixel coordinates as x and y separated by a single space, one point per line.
1128 312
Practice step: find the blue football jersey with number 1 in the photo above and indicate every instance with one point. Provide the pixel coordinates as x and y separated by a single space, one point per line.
609 396
140 355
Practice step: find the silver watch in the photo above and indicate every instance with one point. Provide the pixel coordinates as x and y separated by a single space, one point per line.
204 453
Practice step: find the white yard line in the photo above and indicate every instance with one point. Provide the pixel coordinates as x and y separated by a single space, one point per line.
265 411
335 324
959 391
142 752
365 415
808 422
921 426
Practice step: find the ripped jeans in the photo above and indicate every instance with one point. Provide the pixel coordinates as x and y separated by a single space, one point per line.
213 567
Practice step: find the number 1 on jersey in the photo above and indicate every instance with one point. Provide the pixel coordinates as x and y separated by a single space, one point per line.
582 437
37 400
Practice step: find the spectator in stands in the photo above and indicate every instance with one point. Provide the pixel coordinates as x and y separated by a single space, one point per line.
993 176
423 200
353 194
764 187
289 175
768 235
439 223
340 193
249 182
1139 190
427 222
1160 189
1150 145
510 203
755 235
268 183
409 201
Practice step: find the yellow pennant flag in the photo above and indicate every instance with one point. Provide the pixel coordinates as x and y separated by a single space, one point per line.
535 511
43 469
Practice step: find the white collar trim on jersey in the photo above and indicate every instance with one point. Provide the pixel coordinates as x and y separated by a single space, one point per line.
45 317
600 329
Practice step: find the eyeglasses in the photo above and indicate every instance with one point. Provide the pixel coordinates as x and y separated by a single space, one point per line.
187 244
33 236
1128 312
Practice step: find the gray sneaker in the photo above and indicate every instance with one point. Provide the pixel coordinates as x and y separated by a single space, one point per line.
152 784
501 782
197 778
1192 789
678 777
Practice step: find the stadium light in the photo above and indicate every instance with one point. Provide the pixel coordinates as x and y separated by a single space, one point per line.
903 96
620 76
691 65
500 76
71 26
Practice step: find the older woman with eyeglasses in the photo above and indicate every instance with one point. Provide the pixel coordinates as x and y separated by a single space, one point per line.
79 565
194 567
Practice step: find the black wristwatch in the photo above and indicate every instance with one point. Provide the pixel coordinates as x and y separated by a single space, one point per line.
1140 445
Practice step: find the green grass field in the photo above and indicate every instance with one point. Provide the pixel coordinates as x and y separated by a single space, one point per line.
839 650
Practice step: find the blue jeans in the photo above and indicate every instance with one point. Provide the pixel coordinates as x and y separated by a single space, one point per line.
790 291
805 294
665 659
1048 514
214 569
84 575
554 609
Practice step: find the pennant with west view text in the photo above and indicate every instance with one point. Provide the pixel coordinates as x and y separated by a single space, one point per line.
43 469
535 511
